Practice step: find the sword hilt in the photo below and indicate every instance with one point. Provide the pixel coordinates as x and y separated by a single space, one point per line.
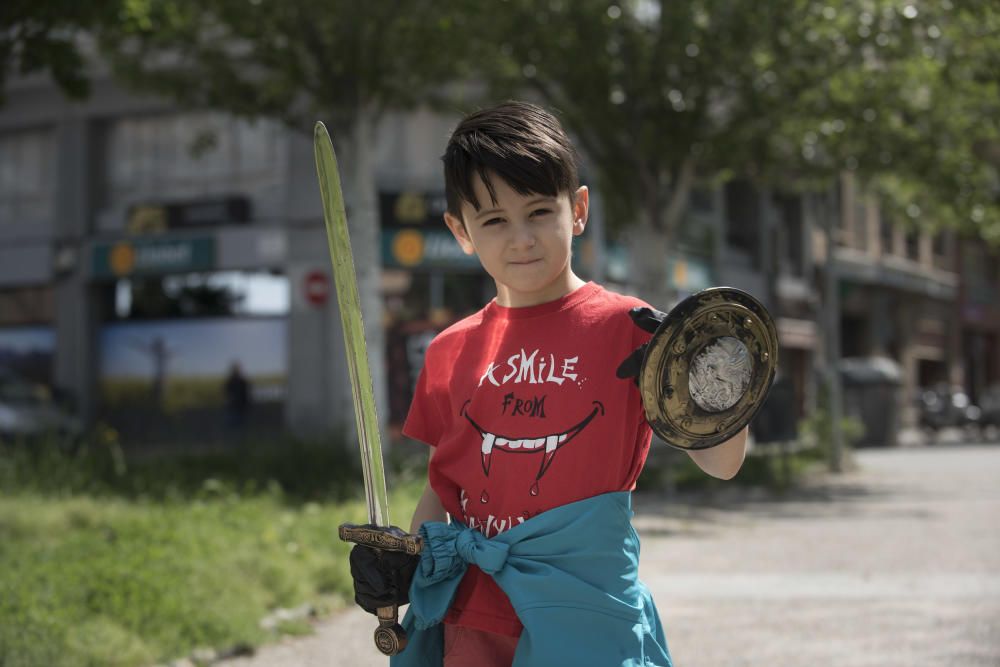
390 638
387 538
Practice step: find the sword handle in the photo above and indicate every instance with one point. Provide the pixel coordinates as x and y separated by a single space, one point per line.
389 538
390 638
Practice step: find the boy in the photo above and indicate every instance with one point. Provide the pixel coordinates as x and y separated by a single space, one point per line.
536 439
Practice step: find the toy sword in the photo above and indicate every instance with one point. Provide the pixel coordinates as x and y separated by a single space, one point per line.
389 636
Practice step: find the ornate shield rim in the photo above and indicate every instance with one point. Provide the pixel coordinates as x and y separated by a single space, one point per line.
688 328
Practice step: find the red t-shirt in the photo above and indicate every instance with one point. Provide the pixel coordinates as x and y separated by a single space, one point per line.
526 414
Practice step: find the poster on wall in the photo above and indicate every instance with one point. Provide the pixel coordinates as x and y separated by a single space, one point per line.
28 352
204 380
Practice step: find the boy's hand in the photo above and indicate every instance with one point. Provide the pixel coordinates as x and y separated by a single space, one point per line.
381 578
646 319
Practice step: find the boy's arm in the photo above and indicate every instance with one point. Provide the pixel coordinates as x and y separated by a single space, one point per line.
429 508
725 460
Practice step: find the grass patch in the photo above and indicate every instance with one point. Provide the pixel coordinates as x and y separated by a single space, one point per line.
108 561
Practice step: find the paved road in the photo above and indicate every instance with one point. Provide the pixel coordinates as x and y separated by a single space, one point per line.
896 563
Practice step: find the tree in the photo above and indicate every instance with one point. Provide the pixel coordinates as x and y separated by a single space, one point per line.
299 61
663 95
40 37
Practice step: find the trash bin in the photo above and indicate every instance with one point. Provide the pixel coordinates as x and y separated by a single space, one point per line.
776 421
871 394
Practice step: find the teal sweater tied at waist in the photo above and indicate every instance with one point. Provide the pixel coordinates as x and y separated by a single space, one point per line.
571 574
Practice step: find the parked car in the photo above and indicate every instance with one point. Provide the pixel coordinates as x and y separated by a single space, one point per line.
943 406
989 403
30 411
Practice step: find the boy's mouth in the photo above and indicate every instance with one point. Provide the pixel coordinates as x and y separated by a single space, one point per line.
549 443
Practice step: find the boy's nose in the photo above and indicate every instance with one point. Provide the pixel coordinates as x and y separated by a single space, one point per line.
524 237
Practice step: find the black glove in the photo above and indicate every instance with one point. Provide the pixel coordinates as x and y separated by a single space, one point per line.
646 319
381 578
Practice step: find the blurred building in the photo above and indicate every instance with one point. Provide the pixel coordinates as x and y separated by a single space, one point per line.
899 290
146 250
903 295
765 251
979 309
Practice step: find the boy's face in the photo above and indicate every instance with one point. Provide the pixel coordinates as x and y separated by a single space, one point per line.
523 241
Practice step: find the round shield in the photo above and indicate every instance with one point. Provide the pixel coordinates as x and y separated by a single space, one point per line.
708 368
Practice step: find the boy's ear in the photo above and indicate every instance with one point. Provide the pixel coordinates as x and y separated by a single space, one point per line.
460 233
581 209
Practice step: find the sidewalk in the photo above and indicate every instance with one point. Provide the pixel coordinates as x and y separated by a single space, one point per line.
897 563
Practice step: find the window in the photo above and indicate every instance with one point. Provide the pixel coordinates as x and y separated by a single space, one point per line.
27 178
741 217
887 233
859 236
188 155
912 239
789 209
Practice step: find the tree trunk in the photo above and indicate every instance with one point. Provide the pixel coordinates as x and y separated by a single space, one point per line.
652 241
357 173
649 253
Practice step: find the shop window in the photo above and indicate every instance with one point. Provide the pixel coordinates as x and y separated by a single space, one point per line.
219 294
853 336
27 305
28 352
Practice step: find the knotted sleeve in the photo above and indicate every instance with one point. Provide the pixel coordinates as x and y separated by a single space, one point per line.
448 550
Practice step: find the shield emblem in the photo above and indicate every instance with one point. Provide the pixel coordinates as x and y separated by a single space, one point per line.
708 368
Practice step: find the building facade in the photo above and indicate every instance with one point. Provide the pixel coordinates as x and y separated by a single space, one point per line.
147 251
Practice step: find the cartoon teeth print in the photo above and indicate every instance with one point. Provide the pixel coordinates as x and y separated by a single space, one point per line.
549 444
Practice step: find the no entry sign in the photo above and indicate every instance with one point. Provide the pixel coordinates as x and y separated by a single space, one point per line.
317 287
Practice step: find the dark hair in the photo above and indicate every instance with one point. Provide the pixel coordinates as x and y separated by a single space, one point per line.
523 143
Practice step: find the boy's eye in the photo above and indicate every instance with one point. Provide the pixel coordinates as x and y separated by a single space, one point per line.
492 221
540 212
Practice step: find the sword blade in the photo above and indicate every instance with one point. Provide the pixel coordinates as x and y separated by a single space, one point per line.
345 279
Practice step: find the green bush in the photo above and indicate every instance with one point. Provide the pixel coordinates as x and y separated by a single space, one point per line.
99 466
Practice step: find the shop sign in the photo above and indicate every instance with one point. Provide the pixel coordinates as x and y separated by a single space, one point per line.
156 217
408 248
153 257
411 208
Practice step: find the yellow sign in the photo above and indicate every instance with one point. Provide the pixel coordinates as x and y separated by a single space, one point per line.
122 259
681 274
408 247
147 219
411 207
